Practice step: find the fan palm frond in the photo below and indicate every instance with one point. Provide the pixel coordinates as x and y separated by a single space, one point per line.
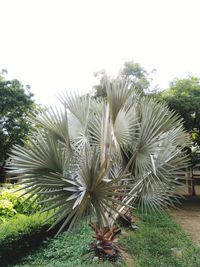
117 94
78 105
55 121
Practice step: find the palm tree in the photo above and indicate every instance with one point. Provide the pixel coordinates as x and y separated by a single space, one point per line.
97 156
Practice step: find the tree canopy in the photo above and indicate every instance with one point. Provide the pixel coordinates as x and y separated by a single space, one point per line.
183 96
16 101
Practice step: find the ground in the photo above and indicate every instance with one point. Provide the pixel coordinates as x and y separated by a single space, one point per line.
188 216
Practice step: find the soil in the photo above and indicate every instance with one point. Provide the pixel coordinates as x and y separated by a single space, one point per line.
188 216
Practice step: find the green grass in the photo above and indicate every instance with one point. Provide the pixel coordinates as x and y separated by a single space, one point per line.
150 246
67 250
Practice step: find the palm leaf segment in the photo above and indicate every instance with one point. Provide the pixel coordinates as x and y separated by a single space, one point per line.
100 156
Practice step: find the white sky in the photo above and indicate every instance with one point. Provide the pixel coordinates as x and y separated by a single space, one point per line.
56 45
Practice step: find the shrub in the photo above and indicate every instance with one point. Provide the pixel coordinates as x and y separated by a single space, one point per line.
20 235
11 202
6 208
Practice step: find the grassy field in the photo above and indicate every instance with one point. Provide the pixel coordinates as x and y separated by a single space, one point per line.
150 246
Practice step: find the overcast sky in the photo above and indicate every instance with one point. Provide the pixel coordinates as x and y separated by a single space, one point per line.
56 45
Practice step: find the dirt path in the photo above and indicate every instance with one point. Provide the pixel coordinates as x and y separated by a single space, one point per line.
188 216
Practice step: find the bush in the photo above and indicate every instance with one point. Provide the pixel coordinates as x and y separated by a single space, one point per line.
6 208
11 203
20 235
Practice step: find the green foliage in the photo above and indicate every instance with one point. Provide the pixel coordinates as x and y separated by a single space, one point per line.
151 244
19 234
183 96
11 203
65 250
16 103
20 224
6 208
136 74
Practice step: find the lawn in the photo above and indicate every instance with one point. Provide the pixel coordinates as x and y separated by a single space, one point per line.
150 246
65 250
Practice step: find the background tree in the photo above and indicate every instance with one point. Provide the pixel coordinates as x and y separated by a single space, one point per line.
183 96
137 75
100 88
15 104
131 72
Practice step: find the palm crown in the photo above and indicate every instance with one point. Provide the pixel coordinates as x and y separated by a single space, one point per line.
100 156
